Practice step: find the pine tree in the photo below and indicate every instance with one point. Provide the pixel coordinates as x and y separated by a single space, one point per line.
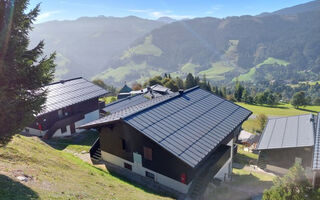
22 71
238 91
190 81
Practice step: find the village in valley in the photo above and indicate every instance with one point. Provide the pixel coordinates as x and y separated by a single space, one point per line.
161 137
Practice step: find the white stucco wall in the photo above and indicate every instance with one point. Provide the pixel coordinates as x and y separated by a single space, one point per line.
224 172
33 131
87 118
164 180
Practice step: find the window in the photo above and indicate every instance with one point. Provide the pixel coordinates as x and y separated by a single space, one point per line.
64 129
150 175
123 143
128 166
147 153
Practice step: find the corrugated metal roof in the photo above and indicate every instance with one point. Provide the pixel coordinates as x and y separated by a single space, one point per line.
65 93
124 103
316 154
189 125
288 132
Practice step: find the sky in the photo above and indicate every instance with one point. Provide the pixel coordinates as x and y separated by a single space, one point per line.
153 9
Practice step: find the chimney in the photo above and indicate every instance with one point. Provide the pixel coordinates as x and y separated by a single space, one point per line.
180 91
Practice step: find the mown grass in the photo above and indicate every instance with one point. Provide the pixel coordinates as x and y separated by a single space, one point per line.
251 125
245 157
280 110
56 174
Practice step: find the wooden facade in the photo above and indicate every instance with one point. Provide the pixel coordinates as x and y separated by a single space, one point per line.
122 140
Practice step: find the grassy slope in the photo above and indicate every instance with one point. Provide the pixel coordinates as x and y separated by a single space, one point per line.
248 76
216 71
147 48
58 175
189 68
119 74
280 110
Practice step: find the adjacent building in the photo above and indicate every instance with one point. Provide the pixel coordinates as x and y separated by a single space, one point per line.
285 141
150 92
70 104
172 140
316 154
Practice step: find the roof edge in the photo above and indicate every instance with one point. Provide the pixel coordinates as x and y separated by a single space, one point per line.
62 81
174 95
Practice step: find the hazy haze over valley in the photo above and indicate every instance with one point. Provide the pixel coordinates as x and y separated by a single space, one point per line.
131 49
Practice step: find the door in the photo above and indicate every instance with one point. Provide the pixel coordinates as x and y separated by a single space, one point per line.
72 128
137 161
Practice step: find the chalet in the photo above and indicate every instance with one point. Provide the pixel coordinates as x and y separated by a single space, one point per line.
174 140
70 104
124 92
150 92
287 140
123 103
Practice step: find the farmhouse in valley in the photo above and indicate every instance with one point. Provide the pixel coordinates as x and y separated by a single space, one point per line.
70 104
288 140
174 140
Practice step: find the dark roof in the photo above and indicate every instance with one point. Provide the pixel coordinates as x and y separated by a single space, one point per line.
316 154
288 132
124 103
190 125
125 89
68 92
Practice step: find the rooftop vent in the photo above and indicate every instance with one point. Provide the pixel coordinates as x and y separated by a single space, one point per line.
180 91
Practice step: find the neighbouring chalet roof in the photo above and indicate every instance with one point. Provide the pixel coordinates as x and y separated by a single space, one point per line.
68 92
125 103
190 125
288 132
125 89
316 154
161 89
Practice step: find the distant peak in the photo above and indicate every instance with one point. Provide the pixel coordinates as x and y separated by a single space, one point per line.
166 20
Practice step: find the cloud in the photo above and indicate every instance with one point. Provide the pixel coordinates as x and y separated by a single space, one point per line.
140 11
157 14
46 15
213 9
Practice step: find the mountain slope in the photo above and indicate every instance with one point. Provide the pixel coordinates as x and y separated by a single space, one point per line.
55 174
227 48
306 7
84 46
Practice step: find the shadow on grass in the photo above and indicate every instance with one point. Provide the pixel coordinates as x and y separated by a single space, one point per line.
248 179
307 110
243 160
11 189
270 106
85 138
